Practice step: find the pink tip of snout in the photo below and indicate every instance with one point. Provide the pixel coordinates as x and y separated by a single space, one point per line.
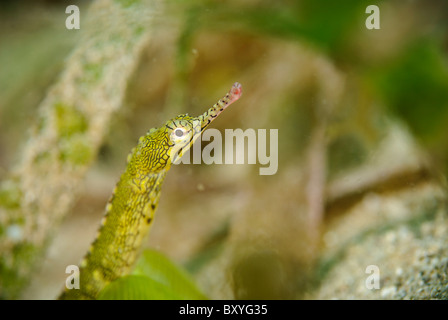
236 91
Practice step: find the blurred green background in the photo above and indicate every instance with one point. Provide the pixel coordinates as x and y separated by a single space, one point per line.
335 90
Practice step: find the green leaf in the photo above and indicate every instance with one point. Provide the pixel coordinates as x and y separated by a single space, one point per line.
416 88
158 267
136 288
154 278
326 23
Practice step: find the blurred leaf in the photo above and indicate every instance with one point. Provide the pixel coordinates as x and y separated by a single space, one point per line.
344 152
158 267
416 88
136 288
325 23
155 277
328 22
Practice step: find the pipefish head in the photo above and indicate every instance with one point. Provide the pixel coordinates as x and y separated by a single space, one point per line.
169 143
184 130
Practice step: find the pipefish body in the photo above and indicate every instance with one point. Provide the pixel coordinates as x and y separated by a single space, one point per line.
130 210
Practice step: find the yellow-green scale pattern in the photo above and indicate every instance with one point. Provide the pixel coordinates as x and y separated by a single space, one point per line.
130 210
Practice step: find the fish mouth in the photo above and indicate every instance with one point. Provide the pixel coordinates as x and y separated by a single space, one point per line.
211 114
207 117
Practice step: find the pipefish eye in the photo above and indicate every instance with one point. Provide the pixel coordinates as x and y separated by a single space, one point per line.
179 132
